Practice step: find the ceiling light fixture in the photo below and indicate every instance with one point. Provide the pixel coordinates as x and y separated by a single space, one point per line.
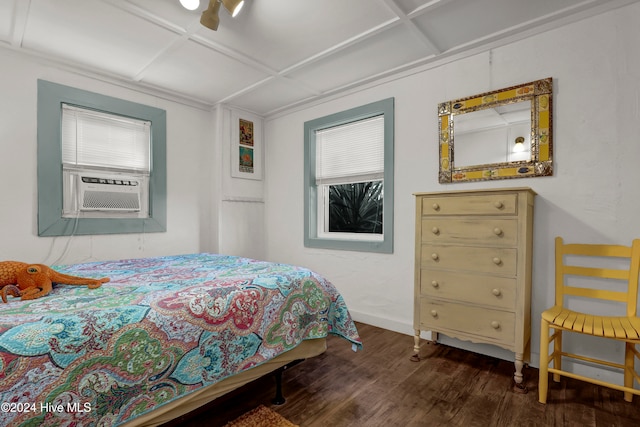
233 6
190 4
210 18
519 145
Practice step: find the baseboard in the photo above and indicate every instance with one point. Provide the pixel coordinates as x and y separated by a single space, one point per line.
380 322
389 324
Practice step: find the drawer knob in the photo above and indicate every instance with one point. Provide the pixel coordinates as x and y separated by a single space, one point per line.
496 292
434 313
434 256
436 207
495 324
435 230
497 231
497 261
435 284
498 205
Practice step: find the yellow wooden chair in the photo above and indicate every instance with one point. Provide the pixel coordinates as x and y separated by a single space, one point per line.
559 318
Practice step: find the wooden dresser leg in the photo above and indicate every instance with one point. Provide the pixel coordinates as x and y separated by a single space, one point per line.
416 346
517 376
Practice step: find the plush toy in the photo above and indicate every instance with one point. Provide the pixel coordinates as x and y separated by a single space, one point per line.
30 281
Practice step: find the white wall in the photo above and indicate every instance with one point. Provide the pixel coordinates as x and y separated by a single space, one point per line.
592 197
190 182
241 216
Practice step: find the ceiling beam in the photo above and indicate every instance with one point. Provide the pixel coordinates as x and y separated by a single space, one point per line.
19 21
431 48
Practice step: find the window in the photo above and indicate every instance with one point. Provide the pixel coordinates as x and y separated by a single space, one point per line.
105 164
349 179
114 148
95 139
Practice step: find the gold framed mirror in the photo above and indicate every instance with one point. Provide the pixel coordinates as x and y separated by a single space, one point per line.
503 134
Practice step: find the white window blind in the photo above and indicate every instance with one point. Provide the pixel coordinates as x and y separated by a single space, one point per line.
351 152
94 138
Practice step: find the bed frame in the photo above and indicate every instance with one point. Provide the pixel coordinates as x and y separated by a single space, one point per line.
198 398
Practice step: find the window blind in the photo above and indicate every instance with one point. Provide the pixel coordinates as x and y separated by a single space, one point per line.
352 152
94 138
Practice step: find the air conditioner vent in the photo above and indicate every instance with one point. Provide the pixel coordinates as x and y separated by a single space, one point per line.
104 193
110 201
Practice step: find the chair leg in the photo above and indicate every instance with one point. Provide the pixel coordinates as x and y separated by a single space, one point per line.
557 349
543 377
629 369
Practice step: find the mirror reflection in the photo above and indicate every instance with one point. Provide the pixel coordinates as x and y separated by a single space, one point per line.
502 134
494 135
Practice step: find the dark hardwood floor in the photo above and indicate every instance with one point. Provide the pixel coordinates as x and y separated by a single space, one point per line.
380 386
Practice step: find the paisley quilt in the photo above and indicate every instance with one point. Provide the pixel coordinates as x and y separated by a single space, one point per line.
160 329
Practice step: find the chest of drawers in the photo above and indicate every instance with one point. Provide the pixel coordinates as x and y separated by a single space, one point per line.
473 268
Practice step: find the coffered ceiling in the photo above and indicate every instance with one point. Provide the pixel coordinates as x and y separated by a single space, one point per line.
276 54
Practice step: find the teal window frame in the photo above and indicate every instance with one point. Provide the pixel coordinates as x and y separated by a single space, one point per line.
51 96
384 107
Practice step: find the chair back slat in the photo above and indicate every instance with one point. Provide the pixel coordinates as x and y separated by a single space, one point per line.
603 273
618 251
602 294
585 252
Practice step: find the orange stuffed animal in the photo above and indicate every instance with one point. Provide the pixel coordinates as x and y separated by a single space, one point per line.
30 281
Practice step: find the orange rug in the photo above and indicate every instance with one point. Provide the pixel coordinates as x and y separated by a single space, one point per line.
261 417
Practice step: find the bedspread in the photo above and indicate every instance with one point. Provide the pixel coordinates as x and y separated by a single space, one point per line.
161 328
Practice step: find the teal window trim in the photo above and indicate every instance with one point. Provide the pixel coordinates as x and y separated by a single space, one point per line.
311 239
50 220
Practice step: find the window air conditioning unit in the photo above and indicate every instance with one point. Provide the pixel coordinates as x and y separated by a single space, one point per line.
109 193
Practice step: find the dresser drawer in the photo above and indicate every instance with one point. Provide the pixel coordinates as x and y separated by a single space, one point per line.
488 204
499 292
481 322
502 261
503 232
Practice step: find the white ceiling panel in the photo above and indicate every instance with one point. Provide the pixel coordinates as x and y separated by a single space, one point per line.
200 72
459 22
277 54
273 95
6 14
371 57
169 11
281 33
94 33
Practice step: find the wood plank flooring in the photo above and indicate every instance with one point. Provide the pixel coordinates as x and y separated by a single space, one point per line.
380 386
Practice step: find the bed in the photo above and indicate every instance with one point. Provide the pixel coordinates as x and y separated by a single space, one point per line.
164 336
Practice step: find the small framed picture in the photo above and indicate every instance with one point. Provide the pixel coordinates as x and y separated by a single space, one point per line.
246 159
246 146
246 132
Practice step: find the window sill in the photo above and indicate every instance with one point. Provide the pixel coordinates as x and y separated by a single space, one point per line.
381 246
